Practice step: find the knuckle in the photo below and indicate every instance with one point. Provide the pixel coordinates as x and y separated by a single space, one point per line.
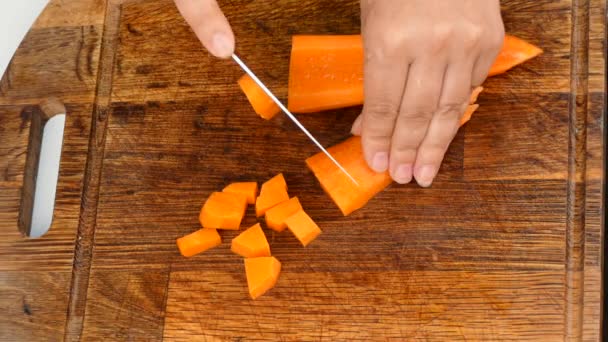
386 46
380 110
450 110
472 36
418 115
441 36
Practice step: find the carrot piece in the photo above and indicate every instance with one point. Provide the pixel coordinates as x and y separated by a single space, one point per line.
475 95
515 51
326 72
262 274
347 195
303 227
251 243
248 189
273 192
276 182
223 210
468 114
261 103
276 216
198 242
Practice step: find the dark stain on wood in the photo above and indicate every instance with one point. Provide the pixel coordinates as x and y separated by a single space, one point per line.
157 85
143 69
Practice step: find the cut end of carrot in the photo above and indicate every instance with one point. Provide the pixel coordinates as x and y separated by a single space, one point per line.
262 274
347 196
262 104
273 192
247 189
515 51
251 243
276 216
303 227
468 114
475 95
223 210
198 242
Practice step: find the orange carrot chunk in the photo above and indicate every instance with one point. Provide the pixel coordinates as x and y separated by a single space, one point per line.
274 183
347 195
514 51
198 242
326 72
261 103
262 274
247 189
251 243
276 216
303 227
273 192
468 114
223 210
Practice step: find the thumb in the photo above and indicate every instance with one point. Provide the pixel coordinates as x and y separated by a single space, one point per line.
209 24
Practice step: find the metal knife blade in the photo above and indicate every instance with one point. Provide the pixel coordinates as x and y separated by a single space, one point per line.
291 116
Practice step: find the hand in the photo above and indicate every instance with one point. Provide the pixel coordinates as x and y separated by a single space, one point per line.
422 59
209 24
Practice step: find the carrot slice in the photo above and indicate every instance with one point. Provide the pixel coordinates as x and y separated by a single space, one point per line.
347 195
223 210
273 192
261 103
475 95
468 114
251 243
247 189
198 242
303 227
276 216
514 51
262 274
326 72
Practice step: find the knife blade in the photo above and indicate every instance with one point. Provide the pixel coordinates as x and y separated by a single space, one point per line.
291 116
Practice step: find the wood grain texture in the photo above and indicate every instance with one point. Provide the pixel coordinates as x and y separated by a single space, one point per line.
55 59
506 245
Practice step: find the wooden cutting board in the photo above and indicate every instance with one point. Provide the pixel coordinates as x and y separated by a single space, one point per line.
506 245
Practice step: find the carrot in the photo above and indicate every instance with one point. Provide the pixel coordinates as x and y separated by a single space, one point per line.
198 242
262 274
273 192
475 95
251 243
468 114
248 189
223 210
326 72
261 103
347 195
515 51
276 216
303 227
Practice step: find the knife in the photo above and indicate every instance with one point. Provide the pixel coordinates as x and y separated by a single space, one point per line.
291 116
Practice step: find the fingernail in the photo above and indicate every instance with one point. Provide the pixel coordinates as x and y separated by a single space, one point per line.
380 162
222 46
403 175
425 175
